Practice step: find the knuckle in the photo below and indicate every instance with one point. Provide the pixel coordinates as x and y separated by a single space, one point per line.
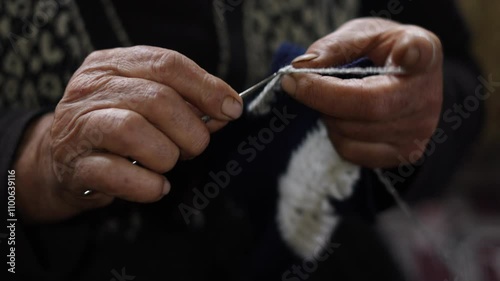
171 156
167 62
341 146
209 82
346 153
82 170
94 56
86 84
153 97
78 86
128 122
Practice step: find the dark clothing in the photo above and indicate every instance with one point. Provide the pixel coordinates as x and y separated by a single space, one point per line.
236 237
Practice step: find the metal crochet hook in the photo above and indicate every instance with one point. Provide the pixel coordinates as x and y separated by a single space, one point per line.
246 92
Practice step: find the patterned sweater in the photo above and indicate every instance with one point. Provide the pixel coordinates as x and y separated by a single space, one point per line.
270 199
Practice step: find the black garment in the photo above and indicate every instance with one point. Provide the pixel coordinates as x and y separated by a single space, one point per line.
236 238
184 26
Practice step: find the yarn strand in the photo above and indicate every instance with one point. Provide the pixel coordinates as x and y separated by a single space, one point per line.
262 103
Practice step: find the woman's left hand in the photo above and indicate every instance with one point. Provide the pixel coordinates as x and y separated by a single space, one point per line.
382 120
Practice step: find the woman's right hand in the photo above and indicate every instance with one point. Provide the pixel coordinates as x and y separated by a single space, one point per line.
142 103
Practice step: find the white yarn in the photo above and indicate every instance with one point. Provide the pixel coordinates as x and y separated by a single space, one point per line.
262 103
315 173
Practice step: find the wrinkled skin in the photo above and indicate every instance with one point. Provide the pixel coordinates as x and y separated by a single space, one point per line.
140 103
375 121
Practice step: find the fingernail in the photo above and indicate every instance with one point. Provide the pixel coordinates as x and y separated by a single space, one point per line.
411 57
166 187
305 57
288 84
231 108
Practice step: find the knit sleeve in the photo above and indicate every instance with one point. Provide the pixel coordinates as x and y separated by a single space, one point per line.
33 252
12 126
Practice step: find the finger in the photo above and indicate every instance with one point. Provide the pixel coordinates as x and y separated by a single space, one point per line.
367 154
207 92
115 176
377 98
168 111
128 134
384 42
374 98
393 132
162 106
213 125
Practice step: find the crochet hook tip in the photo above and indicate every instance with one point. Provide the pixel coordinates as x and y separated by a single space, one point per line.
206 118
258 85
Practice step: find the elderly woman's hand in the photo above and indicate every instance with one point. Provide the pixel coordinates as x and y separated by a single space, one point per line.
378 121
140 103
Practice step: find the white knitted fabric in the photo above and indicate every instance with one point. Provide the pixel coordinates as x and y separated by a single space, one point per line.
305 217
315 173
